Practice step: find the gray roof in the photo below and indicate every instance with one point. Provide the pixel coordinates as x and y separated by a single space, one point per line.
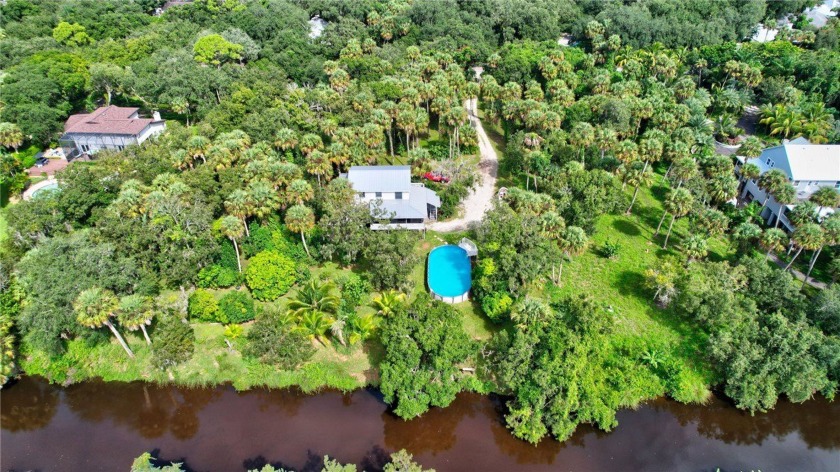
801 160
380 178
415 207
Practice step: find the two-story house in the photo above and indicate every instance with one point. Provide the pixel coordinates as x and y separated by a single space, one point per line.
389 191
808 167
110 127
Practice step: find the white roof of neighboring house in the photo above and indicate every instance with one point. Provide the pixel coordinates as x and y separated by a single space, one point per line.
380 178
801 160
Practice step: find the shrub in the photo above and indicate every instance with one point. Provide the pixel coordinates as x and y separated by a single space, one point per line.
217 276
496 306
227 255
174 342
353 289
202 306
237 307
610 249
270 275
272 342
233 331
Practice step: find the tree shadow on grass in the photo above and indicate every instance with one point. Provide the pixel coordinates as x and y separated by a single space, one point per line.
630 283
627 227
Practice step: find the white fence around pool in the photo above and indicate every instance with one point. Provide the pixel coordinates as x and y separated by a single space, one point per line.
458 299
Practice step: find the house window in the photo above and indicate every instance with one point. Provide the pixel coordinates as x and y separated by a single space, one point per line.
361 194
837 185
378 194
796 183
398 195
85 148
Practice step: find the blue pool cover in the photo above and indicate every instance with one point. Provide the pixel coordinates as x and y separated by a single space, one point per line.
449 271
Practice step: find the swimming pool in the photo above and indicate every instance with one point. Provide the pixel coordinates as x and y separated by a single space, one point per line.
449 274
46 188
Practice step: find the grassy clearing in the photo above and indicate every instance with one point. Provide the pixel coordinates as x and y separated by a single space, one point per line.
619 282
212 363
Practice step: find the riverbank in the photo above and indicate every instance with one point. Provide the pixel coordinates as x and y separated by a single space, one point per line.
221 429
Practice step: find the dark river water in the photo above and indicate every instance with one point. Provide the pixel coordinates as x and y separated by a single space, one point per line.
103 426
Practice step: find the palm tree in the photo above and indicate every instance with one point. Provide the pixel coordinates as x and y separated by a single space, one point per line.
573 243
637 175
387 302
825 197
683 169
197 147
318 164
530 312
582 136
232 228
314 305
94 308
285 139
784 195
239 205
11 136
773 239
769 182
782 120
361 327
300 219
310 142
749 171
806 237
721 188
299 192
831 236
695 247
677 204
135 311
263 199
751 148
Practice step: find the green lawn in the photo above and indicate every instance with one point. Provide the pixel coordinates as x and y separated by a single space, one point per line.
4 226
619 282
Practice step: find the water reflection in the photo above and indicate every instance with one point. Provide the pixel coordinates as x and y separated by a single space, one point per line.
220 429
27 405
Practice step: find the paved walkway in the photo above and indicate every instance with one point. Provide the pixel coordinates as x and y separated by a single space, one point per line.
480 198
799 275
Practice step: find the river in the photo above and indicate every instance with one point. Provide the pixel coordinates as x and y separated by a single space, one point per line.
103 426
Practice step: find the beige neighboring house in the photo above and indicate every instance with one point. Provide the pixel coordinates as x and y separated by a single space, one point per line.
110 127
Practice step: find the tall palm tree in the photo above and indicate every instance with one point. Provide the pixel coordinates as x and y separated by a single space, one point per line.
232 228
678 203
784 195
136 311
606 139
314 306
683 169
636 175
825 197
582 136
773 239
94 308
318 164
749 171
239 205
300 219
299 192
573 243
721 188
262 198
310 142
285 139
769 182
197 147
387 302
806 237
831 237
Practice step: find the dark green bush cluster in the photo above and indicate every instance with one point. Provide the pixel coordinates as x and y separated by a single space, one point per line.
237 307
174 342
218 276
273 342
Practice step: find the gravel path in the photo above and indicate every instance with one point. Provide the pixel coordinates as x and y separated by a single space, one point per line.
480 199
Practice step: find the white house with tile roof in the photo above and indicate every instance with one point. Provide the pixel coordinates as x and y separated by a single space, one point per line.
808 167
